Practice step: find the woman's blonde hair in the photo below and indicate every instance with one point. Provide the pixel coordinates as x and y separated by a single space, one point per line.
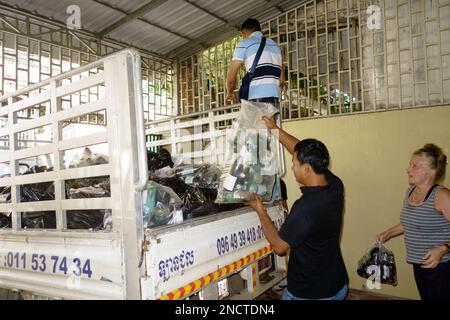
437 159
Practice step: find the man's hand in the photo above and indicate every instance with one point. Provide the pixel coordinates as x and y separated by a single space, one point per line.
256 203
432 258
270 122
233 71
270 231
230 96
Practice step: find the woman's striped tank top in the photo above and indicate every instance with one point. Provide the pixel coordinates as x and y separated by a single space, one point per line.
424 227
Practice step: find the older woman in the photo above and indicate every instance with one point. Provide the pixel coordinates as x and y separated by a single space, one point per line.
425 221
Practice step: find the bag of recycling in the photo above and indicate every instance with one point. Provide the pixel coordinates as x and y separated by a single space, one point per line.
93 220
251 166
162 206
158 160
378 263
87 158
199 202
200 175
38 220
5 220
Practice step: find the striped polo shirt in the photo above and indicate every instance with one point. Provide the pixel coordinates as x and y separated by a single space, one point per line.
424 228
266 80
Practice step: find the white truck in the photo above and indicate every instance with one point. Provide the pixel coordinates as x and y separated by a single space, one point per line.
123 260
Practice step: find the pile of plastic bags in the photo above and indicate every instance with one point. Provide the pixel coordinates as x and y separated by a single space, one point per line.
178 192
96 187
42 191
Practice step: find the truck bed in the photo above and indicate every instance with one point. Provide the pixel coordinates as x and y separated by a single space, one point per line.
182 259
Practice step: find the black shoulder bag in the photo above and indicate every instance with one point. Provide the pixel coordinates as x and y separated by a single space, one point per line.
245 86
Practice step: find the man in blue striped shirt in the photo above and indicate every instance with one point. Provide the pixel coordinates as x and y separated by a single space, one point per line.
268 78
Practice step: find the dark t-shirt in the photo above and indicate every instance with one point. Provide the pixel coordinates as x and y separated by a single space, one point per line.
283 190
316 268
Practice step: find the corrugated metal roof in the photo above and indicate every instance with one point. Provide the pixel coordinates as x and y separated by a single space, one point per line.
128 5
173 15
93 14
175 27
142 35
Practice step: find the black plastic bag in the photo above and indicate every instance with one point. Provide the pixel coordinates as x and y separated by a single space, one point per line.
175 183
94 220
39 220
381 260
5 194
5 220
100 183
196 197
159 160
205 209
96 191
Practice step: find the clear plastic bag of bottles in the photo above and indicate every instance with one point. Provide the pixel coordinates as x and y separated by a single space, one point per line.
162 206
200 175
378 263
251 166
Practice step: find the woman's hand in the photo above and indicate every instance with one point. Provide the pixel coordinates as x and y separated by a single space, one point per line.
382 237
390 233
432 258
256 203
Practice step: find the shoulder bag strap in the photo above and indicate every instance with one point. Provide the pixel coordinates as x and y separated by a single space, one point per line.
258 55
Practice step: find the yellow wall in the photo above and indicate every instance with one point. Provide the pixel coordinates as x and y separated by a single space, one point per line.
370 153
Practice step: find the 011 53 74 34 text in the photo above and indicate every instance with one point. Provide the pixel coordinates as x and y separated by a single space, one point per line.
45 263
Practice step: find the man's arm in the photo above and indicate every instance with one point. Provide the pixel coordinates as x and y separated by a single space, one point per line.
231 77
288 141
280 247
282 77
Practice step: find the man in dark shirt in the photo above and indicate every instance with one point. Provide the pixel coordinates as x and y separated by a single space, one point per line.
316 269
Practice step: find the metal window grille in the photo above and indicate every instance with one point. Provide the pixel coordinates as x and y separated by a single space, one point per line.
32 50
202 78
339 62
152 138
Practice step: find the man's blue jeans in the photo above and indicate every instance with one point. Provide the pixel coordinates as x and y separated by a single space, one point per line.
339 296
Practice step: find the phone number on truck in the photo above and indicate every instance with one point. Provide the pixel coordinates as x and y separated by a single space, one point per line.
242 238
51 264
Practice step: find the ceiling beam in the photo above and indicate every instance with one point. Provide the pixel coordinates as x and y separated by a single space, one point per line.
206 11
143 20
132 16
226 31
